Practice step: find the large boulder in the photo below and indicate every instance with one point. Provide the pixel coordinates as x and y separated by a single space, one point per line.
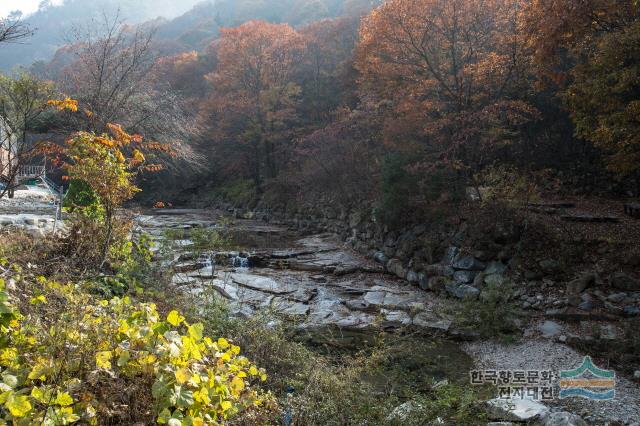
516 410
450 255
396 267
463 291
582 283
464 277
381 258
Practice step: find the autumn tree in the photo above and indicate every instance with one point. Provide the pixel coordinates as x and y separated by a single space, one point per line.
455 72
23 101
327 76
108 163
255 97
604 100
588 50
555 27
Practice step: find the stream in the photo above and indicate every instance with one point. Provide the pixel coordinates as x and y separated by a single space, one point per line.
336 298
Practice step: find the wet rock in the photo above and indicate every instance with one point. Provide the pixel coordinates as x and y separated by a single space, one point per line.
574 300
428 320
287 307
516 410
631 310
412 277
617 297
183 280
622 281
586 306
465 277
395 267
562 418
450 255
259 283
359 305
395 319
423 281
381 258
462 291
579 285
468 263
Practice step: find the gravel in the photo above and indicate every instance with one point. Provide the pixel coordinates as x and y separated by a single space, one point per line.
542 354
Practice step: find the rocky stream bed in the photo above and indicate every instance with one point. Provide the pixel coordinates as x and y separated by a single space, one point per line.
322 284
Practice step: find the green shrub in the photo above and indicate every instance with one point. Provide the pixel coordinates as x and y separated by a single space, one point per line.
494 314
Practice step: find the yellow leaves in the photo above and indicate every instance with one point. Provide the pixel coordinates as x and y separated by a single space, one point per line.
195 331
183 375
223 343
137 157
198 380
63 399
38 300
41 394
237 385
65 104
174 318
103 359
202 396
8 357
41 369
18 406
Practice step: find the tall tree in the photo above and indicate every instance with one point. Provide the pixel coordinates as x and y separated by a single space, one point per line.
112 77
255 95
455 72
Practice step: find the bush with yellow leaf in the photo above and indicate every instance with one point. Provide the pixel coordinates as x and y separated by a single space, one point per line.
75 359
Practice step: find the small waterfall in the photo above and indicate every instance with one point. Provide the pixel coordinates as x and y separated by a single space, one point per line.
239 261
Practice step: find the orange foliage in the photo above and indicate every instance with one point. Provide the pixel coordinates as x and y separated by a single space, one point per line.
65 104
